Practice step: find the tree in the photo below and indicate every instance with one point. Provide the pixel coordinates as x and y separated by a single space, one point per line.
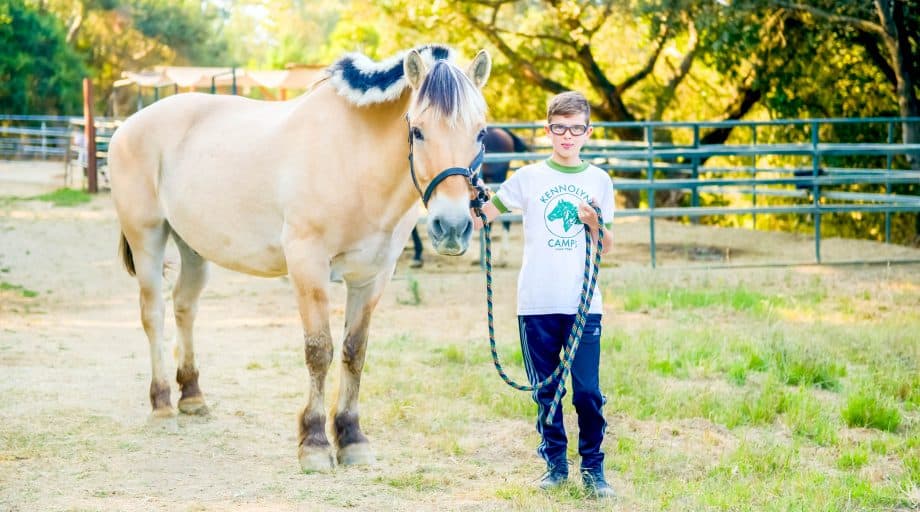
39 73
889 32
558 45
124 35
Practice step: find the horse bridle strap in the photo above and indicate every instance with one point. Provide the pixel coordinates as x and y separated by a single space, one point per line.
471 173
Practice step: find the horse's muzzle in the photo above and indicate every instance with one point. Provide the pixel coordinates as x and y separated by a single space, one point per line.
450 235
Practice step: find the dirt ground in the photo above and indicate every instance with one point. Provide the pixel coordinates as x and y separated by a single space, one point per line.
75 370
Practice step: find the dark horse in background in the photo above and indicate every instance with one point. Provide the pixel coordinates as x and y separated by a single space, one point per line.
497 140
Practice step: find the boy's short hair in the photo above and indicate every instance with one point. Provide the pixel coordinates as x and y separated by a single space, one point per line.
569 103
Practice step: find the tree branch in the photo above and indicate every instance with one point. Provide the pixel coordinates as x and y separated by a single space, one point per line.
608 8
528 71
76 23
650 63
669 90
544 37
870 44
859 23
746 98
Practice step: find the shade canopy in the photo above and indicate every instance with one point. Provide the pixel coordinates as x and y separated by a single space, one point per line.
202 77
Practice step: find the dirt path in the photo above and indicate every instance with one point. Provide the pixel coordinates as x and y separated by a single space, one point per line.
74 432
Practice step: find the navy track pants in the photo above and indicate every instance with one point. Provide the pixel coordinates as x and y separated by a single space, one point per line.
543 338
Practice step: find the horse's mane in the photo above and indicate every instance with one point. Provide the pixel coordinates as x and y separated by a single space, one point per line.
363 81
450 95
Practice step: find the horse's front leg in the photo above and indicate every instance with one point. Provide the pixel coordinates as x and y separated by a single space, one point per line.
353 446
310 276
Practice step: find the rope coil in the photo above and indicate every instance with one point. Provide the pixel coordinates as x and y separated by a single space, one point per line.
587 292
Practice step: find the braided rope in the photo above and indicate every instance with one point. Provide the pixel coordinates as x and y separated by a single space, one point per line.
587 293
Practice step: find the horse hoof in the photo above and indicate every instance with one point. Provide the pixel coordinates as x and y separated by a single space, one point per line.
313 460
357 454
194 406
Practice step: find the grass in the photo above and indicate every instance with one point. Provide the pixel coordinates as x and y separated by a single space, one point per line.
415 293
870 409
739 299
65 197
25 292
767 391
802 366
789 358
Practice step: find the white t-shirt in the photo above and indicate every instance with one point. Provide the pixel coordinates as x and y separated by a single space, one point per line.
548 194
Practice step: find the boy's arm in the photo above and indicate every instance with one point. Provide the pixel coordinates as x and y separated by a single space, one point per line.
589 217
608 236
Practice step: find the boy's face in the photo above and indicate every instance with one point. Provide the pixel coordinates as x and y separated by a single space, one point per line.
567 146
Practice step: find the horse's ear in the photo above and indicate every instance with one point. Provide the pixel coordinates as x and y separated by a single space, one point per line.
414 69
480 68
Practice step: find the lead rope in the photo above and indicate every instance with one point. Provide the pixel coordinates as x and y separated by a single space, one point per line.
587 292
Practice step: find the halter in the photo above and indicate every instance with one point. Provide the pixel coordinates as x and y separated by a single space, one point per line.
471 173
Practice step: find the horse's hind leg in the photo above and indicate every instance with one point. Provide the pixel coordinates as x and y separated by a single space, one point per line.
353 447
147 247
192 277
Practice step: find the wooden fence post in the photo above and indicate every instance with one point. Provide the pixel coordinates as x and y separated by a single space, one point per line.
89 136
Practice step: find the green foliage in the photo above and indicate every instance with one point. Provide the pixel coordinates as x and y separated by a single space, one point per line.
759 459
800 366
417 481
868 408
25 292
185 26
738 299
806 417
39 73
853 458
66 197
415 292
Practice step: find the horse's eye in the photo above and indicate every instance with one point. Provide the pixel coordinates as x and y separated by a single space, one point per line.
417 133
481 135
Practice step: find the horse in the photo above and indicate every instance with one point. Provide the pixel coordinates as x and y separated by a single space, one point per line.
308 188
497 140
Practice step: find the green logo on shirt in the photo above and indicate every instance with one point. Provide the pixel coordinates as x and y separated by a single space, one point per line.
561 215
565 211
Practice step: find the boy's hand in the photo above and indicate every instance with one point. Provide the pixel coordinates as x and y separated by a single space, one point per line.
587 215
489 210
477 220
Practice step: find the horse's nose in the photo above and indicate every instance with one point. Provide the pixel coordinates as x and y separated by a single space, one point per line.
437 228
450 235
467 229
442 228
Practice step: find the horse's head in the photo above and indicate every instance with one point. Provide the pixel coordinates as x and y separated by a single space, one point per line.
565 211
447 121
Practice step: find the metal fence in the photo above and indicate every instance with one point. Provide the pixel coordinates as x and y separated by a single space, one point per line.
760 160
56 138
659 163
34 137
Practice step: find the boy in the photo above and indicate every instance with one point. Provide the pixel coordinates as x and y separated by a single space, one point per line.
554 196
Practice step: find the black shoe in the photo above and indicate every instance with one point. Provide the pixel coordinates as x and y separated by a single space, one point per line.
595 484
556 475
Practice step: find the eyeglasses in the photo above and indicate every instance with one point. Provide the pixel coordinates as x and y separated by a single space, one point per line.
574 129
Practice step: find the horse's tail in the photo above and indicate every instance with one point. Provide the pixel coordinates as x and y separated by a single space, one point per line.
519 145
124 250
